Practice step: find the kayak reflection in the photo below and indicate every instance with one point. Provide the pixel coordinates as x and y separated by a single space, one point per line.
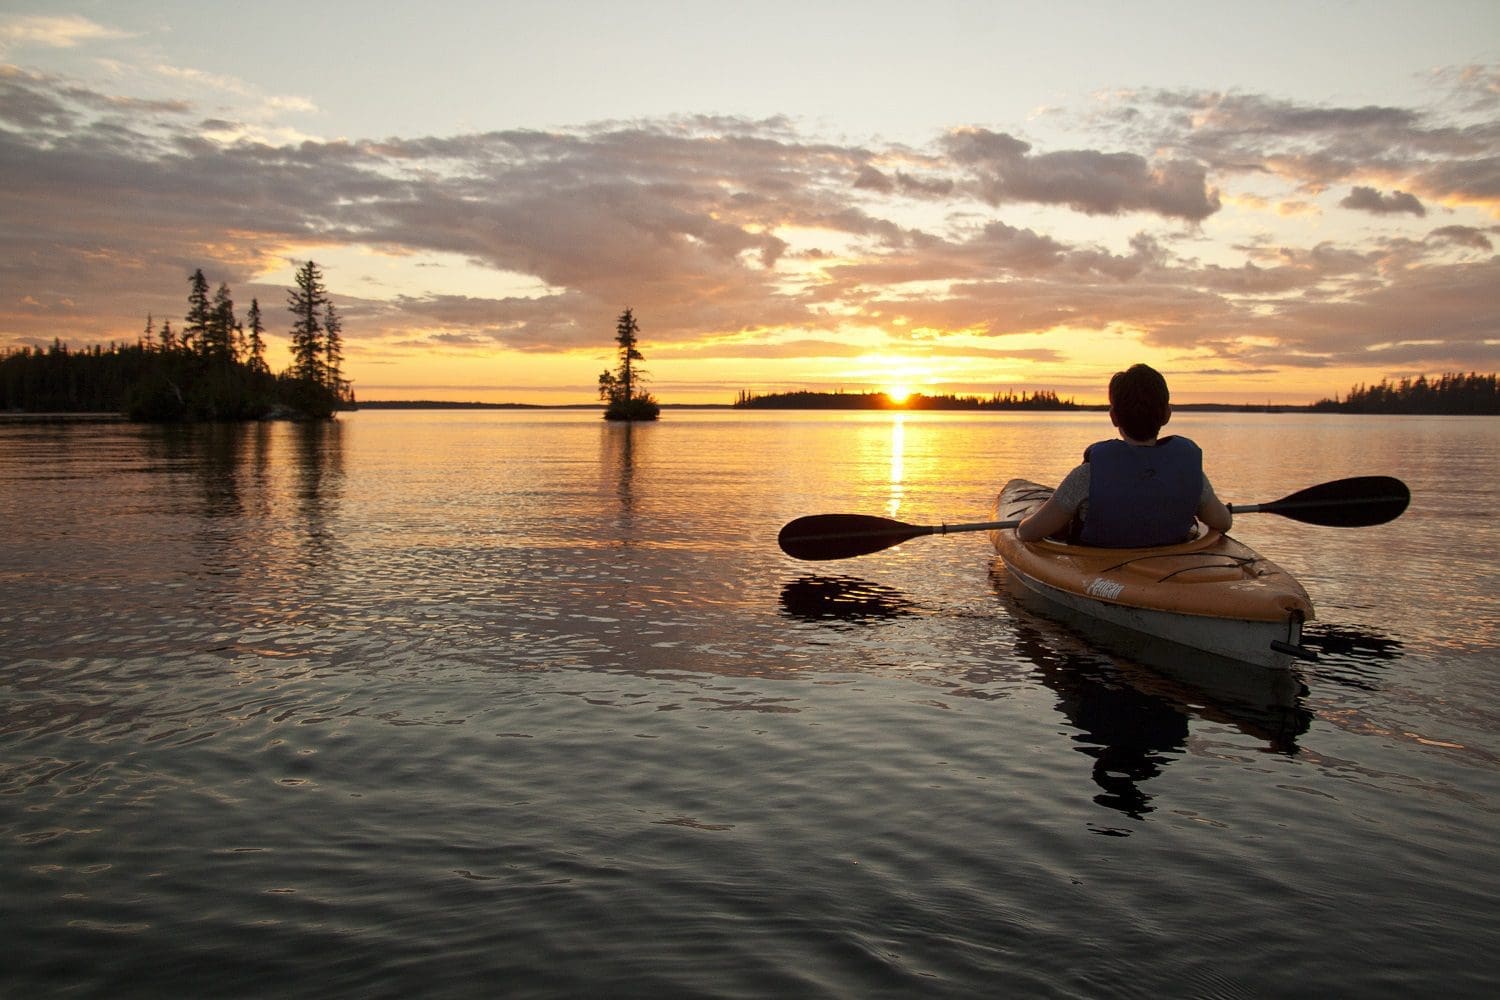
1130 734
1131 697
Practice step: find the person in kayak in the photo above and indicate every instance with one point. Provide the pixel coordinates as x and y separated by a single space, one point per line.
1135 492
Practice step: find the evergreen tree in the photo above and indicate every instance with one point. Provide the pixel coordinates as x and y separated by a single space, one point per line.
199 315
218 342
627 332
307 302
333 348
256 344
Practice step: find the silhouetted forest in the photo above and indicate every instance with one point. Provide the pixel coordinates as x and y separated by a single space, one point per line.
1453 393
214 368
1042 400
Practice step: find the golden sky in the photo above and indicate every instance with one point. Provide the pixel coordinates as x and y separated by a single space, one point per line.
963 199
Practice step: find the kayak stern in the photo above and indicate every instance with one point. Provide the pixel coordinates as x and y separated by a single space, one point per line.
1211 593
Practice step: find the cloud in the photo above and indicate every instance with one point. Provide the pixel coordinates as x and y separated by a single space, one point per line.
1466 236
745 238
1367 199
1097 183
1440 157
62 32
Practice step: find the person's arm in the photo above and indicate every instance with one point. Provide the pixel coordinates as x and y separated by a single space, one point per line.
1051 517
1057 512
1211 510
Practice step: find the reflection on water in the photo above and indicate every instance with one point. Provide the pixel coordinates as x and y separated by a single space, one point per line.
1129 699
532 703
835 599
1131 696
1130 734
1266 702
1348 656
898 464
617 448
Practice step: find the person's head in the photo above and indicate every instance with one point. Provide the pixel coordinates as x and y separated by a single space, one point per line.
1138 402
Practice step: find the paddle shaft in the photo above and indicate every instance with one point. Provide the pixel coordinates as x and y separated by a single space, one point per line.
948 529
879 528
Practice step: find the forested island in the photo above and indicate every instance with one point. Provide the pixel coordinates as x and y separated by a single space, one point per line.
805 400
1450 394
214 368
1453 393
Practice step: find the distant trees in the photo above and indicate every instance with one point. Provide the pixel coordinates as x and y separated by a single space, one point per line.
804 400
618 388
214 370
1451 393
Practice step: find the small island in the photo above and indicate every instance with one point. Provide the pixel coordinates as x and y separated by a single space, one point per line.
619 388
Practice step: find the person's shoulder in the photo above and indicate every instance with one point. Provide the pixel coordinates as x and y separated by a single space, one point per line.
1074 486
1099 446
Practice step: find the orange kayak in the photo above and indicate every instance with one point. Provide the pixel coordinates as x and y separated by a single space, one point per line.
1211 593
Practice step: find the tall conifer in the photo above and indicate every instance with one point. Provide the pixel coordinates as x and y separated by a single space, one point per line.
257 342
199 315
333 348
307 302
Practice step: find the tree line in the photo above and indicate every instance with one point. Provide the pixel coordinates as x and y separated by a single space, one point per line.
212 368
806 400
1453 393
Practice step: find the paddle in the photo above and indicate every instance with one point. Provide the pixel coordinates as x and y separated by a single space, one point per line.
843 536
1345 503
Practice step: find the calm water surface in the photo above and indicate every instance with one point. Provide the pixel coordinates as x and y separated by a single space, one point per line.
524 704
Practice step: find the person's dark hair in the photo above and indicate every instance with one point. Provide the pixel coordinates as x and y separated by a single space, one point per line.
1139 398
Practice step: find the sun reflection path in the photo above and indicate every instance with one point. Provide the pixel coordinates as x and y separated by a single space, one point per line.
898 463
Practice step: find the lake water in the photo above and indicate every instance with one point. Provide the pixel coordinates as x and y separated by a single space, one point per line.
527 704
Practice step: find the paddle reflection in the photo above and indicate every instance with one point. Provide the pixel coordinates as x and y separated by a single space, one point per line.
1350 657
842 599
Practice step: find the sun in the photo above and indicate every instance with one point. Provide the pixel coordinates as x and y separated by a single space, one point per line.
898 394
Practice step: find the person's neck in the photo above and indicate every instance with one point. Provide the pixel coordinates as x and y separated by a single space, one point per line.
1140 444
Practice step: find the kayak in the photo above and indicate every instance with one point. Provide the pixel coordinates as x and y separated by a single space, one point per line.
1211 593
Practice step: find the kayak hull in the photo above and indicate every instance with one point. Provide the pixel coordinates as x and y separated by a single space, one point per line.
1211 593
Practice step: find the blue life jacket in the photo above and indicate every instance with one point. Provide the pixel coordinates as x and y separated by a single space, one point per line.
1142 495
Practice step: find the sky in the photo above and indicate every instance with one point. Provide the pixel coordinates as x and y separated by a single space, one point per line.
1269 202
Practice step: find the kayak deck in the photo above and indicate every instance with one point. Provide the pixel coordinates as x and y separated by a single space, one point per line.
1212 592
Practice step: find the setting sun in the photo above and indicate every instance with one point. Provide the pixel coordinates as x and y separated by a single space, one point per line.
898 394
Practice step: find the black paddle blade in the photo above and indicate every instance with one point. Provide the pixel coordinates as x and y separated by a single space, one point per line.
843 536
1359 502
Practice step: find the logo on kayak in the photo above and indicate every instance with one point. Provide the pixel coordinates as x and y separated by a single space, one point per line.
1107 589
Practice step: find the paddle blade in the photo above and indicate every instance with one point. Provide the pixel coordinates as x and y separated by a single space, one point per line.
1359 502
843 536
